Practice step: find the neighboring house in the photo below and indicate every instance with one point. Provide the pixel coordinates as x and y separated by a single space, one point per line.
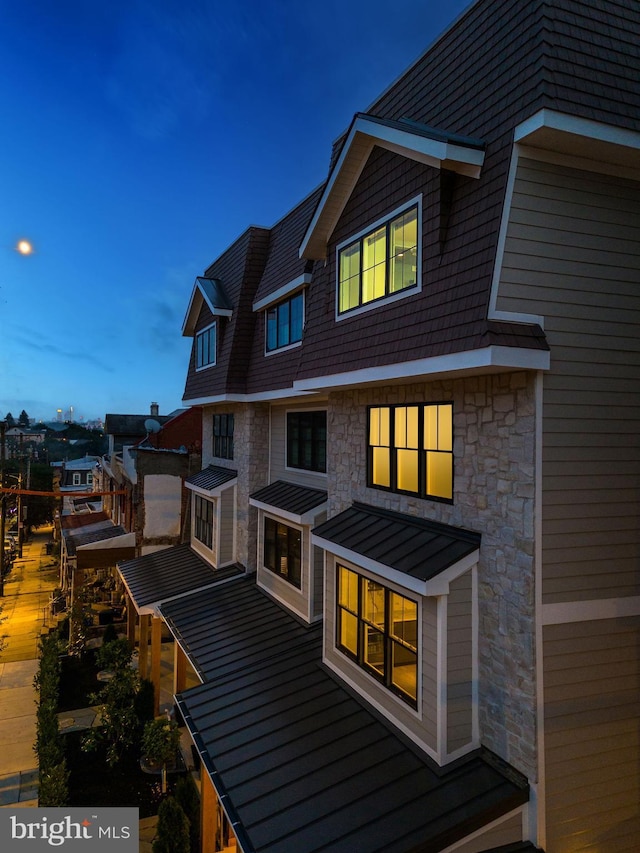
411 591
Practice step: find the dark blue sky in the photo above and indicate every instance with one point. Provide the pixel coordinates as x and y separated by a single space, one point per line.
141 137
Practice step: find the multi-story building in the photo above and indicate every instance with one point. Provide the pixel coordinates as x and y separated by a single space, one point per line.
411 593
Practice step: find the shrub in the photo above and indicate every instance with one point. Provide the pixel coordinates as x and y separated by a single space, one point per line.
173 829
187 796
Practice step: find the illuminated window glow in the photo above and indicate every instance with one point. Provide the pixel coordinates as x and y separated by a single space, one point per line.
378 628
380 263
411 449
283 550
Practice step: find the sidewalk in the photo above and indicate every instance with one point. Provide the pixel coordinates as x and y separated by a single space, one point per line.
25 611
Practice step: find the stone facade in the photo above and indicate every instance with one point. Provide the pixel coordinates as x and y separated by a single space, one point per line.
494 494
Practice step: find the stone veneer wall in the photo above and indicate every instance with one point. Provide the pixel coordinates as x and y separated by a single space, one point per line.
251 461
494 454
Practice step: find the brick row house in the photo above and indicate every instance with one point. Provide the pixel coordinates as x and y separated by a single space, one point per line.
411 591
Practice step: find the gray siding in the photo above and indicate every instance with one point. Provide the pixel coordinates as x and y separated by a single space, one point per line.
460 664
572 254
317 576
278 456
592 708
285 592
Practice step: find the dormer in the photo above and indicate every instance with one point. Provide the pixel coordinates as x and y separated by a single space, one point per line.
213 514
449 152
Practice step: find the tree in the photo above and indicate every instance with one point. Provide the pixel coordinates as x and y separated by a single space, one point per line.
10 420
160 741
173 829
23 420
187 796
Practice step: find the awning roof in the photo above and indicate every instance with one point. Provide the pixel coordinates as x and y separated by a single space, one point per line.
165 574
211 291
300 503
211 478
302 764
423 555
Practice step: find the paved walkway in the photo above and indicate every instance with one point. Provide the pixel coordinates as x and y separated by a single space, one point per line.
25 613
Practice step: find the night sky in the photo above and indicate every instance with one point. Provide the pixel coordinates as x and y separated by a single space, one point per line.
139 139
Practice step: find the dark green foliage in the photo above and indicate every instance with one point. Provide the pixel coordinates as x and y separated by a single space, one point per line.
173 829
53 789
48 745
114 655
110 634
187 796
23 419
144 703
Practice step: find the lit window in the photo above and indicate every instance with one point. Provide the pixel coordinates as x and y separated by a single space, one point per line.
307 440
284 322
378 628
283 550
379 264
411 449
203 521
223 436
206 347
76 479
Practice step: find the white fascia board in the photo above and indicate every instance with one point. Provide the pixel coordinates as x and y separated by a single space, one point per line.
492 359
188 326
587 128
305 519
591 610
258 397
282 292
433 587
364 134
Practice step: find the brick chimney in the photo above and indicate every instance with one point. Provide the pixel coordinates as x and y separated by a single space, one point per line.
155 410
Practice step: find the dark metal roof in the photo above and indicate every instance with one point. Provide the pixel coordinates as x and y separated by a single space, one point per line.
75 539
303 764
173 571
220 625
414 546
214 292
212 477
290 497
424 130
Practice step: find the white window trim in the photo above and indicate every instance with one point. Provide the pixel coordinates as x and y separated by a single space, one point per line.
209 554
213 363
394 297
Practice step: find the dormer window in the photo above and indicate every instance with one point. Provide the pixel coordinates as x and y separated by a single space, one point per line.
284 322
379 263
206 347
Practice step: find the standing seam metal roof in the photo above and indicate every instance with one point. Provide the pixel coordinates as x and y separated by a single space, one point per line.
303 764
290 497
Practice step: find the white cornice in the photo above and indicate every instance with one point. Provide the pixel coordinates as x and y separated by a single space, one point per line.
282 292
493 359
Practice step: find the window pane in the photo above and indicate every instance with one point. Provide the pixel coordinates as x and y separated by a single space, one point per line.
374 260
349 282
407 474
283 324
440 474
374 649
374 603
403 251
404 670
348 589
445 428
381 467
296 318
379 426
348 631
406 426
404 620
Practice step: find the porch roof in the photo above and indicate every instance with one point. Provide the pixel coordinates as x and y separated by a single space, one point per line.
302 763
171 572
294 500
211 478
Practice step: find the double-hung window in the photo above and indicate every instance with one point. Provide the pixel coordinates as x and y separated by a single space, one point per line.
206 347
411 449
378 629
307 440
284 322
203 521
380 263
223 436
283 550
